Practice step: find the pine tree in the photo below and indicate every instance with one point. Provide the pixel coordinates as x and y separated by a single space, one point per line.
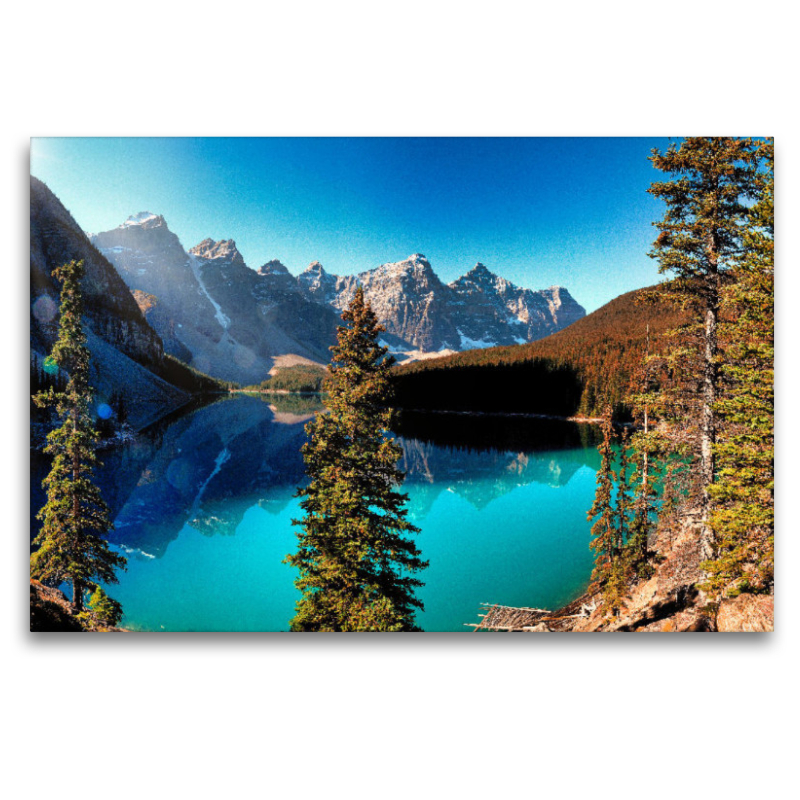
608 574
647 446
700 237
71 547
624 502
743 513
107 610
355 560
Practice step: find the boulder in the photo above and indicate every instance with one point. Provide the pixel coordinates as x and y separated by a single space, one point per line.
747 613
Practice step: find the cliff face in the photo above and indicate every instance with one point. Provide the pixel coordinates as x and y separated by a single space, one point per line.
411 302
211 309
478 310
111 311
498 312
124 347
151 259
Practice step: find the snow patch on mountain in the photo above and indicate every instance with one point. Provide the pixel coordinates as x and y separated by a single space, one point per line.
474 344
392 348
138 219
194 263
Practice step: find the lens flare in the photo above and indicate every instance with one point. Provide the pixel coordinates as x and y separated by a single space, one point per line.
45 309
50 366
104 411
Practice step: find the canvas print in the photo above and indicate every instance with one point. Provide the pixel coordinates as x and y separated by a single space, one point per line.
401 384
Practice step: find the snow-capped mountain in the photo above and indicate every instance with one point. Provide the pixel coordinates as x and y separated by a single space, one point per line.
231 321
421 313
492 309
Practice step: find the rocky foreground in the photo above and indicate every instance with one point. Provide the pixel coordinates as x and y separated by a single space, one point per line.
669 601
51 612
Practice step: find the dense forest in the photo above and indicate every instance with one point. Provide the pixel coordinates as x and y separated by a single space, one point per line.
593 363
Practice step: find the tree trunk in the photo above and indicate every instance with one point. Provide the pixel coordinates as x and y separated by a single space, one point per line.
77 596
708 432
77 588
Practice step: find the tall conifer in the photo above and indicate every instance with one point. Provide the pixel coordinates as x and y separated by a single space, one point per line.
355 559
743 513
71 545
624 502
701 235
646 446
607 576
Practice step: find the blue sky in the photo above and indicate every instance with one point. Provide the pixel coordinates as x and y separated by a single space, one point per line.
538 211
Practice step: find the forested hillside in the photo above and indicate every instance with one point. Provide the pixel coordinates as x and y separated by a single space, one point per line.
578 370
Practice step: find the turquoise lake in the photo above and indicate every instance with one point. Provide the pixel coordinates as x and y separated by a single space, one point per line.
203 505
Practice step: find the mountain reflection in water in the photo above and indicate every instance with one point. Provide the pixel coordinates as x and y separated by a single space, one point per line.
205 468
501 503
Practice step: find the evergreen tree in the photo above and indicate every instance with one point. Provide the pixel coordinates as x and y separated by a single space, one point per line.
608 574
355 560
107 610
646 445
743 514
71 547
624 501
700 237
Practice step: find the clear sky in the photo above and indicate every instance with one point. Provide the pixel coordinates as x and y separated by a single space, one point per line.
538 211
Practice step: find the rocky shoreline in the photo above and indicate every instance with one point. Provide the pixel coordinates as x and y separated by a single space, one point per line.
669 602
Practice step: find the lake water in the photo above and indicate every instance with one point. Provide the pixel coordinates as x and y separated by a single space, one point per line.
203 505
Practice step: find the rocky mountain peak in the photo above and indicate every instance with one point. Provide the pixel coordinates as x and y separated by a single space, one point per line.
273 267
416 262
315 268
144 219
224 250
479 278
415 265
480 272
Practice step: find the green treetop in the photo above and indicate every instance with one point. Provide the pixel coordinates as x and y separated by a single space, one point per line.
71 546
355 559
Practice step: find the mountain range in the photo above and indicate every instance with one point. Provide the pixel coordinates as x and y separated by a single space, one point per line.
237 323
150 301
